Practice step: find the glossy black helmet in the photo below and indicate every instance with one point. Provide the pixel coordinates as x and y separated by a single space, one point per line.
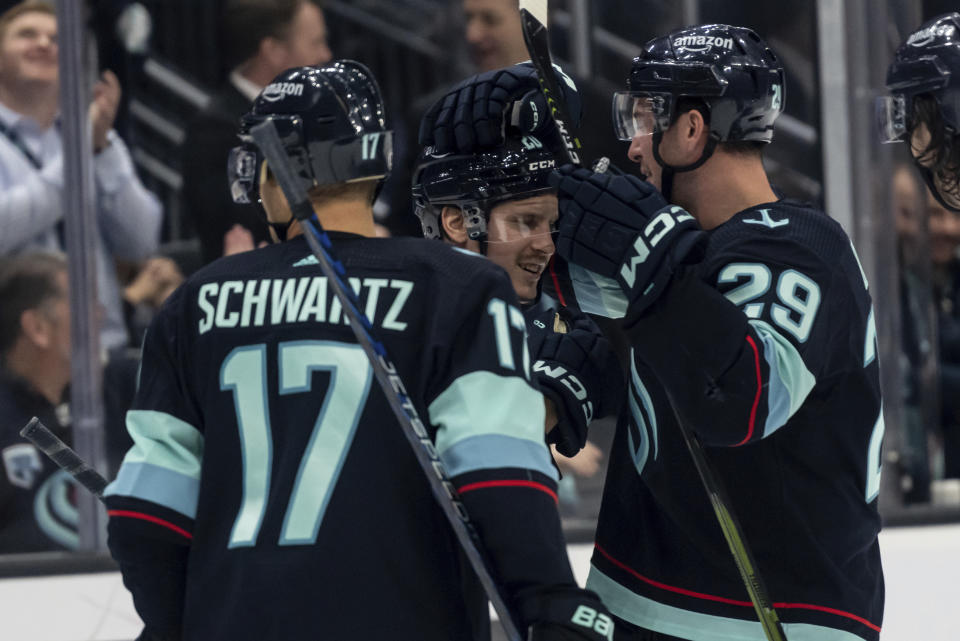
475 183
730 69
332 123
927 63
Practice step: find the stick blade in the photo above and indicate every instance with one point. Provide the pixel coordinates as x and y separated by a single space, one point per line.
536 8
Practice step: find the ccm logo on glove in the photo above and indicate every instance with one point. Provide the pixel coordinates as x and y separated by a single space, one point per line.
571 382
654 232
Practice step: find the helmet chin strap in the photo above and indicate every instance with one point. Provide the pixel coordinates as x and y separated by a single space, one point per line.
667 175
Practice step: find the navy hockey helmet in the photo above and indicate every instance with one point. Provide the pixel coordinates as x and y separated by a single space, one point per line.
927 63
731 69
476 183
332 124
927 67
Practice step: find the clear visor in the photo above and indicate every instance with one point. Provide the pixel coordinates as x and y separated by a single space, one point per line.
891 118
528 222
639 114
242 174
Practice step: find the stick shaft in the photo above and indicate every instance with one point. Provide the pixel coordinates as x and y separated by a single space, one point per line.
65 458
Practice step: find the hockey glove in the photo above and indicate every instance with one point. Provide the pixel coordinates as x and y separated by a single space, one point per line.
566 614
620 227
475 113
579 372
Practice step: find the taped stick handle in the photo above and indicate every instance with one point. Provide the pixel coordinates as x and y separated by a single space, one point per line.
65 458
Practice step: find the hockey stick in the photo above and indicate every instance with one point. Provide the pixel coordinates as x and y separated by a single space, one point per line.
61 454
533 17
267 139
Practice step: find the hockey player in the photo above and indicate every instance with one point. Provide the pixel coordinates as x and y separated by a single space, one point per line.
924 106
497 202
749 321
270 493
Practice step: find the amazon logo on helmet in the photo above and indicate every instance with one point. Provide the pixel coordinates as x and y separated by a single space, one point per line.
927 63
731 69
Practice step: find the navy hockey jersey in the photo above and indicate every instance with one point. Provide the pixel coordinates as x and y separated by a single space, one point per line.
767 350
266 450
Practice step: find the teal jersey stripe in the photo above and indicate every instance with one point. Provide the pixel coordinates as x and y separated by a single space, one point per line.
158 485
644 396
488 451
696 626
481 403
165 441
790 380
597 294
642 451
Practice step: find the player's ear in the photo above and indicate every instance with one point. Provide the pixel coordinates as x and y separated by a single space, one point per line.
454 226
692 133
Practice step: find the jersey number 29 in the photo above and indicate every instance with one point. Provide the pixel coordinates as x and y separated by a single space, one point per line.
244 372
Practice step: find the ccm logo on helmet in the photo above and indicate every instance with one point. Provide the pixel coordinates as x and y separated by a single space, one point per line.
702 43
279 90
542 164
925 36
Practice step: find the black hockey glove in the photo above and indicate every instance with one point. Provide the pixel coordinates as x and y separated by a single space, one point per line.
567 614
474 114
578 371
621 227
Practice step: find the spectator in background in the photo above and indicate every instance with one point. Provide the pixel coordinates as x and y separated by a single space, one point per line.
34 373
917 323
262 38
493 33
31 161
944 231
929 276
145 293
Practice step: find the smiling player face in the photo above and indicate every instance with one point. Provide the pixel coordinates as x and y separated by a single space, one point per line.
520 239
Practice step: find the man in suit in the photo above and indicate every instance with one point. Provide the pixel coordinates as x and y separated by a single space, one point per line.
262 38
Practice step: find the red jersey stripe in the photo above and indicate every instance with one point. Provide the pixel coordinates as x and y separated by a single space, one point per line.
720 599
551 266
488 484
756 398
152 519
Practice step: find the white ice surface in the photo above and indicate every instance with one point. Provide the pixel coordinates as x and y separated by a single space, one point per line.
922 568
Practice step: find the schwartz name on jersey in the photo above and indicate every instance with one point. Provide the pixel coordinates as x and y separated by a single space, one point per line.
264 447
782 387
